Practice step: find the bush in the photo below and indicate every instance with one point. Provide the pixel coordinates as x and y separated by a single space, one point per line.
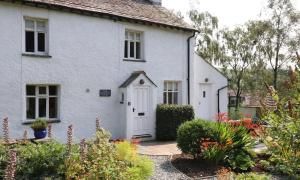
40 160
39 124
169 118
217 143
139 167
251 176
3 160
105 160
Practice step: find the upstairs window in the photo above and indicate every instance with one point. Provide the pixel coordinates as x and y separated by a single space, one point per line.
133 45
35 36
171 92
41 102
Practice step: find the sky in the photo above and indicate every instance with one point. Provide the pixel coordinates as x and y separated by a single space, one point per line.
229 12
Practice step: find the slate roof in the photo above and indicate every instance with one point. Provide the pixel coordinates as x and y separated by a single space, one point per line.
143 11
133 76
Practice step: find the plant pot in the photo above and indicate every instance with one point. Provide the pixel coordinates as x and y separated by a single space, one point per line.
40 134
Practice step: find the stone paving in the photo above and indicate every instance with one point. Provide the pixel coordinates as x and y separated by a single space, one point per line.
155 148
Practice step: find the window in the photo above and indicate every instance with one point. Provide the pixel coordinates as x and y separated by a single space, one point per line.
171 92
41 102
35 36
133 45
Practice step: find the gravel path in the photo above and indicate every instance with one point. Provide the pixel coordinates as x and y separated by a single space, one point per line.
164 170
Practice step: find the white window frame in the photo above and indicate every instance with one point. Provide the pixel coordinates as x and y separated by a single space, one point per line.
135 40
38 96
36 31
173 91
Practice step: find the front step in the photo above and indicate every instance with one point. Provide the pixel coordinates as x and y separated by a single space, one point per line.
143 137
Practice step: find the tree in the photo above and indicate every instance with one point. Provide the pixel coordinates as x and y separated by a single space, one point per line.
279 32
207 40
238 54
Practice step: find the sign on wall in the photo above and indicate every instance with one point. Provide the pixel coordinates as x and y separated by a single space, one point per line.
105 93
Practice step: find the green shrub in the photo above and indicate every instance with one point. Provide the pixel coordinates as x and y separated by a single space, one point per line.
40 160
139 167
252 176
105 160
39 124
169 118
217 143
3 160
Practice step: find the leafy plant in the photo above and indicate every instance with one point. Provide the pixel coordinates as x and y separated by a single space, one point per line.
105 160
39 124
217 143
40 160
3 160
251 176
139 167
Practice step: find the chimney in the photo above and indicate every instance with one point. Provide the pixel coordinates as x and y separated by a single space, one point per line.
156 2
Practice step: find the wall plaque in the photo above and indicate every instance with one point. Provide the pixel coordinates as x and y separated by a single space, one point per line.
105 93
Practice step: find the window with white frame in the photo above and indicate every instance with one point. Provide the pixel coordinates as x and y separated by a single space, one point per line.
133 45
171 92
35 36
41 102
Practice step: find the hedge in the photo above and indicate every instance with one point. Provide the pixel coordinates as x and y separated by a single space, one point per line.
169 118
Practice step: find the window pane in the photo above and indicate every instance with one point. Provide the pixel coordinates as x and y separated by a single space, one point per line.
170 86
30 108
131 36
30 90
42 108
165 98
138 37
165 86
132 49
126 49
29 24
176 86
42 90
138 50
170 98
52 107
126 35
29 41
41 26
175 100
52 90
41 42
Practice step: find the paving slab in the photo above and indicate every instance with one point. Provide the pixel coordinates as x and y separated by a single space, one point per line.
156 148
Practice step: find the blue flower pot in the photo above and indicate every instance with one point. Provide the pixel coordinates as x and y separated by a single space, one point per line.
40 134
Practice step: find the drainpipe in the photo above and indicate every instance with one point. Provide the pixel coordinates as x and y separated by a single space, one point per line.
219 100
188 66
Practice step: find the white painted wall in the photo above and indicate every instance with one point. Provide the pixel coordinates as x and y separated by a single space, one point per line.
87 53
202 70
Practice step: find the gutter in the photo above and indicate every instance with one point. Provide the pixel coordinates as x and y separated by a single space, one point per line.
219 99
188 67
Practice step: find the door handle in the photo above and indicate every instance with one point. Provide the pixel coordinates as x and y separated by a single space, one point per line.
133 109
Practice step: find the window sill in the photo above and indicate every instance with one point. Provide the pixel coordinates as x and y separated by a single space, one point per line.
48 121
134 60
37 55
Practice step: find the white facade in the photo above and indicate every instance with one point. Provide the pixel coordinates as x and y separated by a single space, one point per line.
208 80
87 55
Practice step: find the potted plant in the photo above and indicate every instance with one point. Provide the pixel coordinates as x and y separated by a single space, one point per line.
39 127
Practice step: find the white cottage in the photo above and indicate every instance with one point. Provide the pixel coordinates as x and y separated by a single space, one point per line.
70 61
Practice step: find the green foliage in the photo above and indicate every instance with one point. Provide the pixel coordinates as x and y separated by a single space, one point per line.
39 124
139 167
105 160
40 160
3 160
217 143
251 176
169 118
283 132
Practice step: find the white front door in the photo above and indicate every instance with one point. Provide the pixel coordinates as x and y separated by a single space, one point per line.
204 108
140 109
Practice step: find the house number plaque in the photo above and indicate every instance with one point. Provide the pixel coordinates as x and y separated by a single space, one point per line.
105 93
